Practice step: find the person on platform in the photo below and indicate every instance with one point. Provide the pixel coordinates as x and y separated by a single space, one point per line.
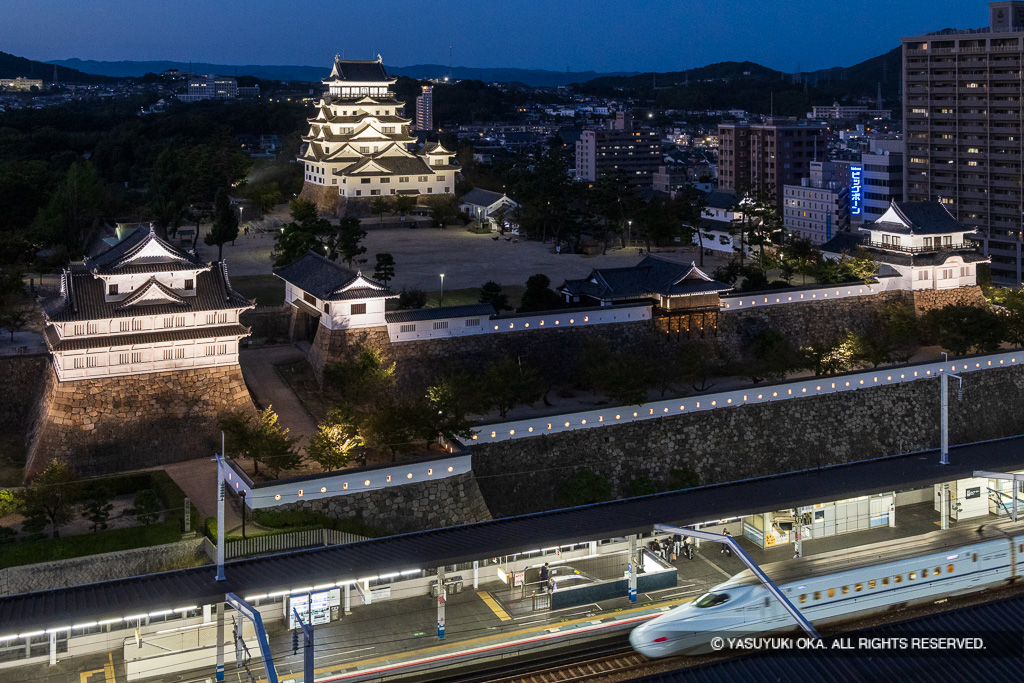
726 550
545 575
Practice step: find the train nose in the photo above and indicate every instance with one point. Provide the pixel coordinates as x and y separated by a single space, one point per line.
647 641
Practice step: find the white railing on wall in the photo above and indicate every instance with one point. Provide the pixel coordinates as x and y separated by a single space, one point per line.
580 317
757 299
754 395
342 483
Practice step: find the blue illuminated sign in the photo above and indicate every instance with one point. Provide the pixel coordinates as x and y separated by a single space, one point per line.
855 190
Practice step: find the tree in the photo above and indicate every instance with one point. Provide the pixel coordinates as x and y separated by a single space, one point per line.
411 298
690 206
52 495
73 207
962 328
261 439
306 231
350 234
831 357
395 424
1013 302
97 509
538 295
769 357
146 506
442 210
404 204
336 441
452 398
583 488
511 384
360 380
622 376
491 294
901 329
225 224
12 291
380 206
384 270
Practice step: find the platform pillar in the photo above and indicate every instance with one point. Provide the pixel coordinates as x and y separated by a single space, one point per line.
348 598
441 597
220 642
944 505
476 574
634 559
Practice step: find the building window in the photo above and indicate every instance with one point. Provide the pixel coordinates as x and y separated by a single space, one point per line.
358 309
125 325
222 318
169 322
78 363
90 361
179 354
441 325
190 284
211 318
473 322
407 328
364 181
79 330
168 354
211 350
136 357
309 298
923 275
403 179
112 290
327 307
430 190
422 178
385 180
179 321
122 358
359 193
222 349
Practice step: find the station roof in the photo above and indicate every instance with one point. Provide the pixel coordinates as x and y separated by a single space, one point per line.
451 545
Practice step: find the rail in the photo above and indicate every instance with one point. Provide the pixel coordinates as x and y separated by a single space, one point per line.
582 670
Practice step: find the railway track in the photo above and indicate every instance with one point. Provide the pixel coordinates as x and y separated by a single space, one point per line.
579 671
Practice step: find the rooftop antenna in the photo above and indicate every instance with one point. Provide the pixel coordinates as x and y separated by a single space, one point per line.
449 62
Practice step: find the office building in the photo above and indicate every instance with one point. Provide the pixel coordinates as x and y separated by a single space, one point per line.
425 109
881 179
635 153
962 125
819 206
762 156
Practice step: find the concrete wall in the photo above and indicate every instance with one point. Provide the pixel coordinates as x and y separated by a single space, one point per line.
414 507
120 423
95 568
750 440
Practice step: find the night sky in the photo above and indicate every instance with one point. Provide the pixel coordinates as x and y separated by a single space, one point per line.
599 35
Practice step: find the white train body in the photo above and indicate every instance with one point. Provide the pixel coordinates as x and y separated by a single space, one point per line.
742 606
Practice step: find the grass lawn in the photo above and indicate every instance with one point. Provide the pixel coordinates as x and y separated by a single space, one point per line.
50 549
268 290
471 295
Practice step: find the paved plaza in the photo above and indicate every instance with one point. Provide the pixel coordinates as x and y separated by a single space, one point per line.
466 259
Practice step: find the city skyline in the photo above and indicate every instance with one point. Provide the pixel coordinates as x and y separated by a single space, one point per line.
611 36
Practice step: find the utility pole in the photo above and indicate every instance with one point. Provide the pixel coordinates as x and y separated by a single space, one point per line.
633 559
944 499
440 603
307 646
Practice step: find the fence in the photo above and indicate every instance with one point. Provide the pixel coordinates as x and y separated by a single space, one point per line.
292 540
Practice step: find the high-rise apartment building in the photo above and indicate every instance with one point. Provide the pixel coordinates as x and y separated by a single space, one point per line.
425 109
962 117
756 156
620 148
881 179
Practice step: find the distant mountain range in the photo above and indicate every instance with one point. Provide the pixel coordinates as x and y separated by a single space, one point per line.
532 77
12 66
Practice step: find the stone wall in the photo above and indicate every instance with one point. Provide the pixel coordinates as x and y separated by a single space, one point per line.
733 443
927 299
120 423
418 362
411 507
103 567
806 321
326 198
22 382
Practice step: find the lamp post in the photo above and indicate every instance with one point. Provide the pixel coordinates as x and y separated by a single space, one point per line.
629 234
441 298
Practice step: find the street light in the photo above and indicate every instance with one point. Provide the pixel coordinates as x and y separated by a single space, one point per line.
441 298
629 234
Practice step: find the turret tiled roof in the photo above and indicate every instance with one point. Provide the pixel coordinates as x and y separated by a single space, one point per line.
653 275
330 281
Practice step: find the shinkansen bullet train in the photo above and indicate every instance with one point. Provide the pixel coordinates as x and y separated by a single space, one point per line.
840 585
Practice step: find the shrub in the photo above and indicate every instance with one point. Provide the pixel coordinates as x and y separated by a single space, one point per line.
583 488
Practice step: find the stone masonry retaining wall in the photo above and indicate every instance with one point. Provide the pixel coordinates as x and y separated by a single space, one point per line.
419 361
104 567
120 423
413 507
327 199
733 443
22 382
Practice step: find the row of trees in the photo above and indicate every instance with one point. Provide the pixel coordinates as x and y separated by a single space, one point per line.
58 495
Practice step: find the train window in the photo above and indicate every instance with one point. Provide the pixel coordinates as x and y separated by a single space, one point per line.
803 598
949 569
846 590
871 583
938 570
885 581
831 592
1020 548
817 595
898 578
911 576
924 573
711 599
858 587
974 557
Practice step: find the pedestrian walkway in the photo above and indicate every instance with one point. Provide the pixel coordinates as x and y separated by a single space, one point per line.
268 388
